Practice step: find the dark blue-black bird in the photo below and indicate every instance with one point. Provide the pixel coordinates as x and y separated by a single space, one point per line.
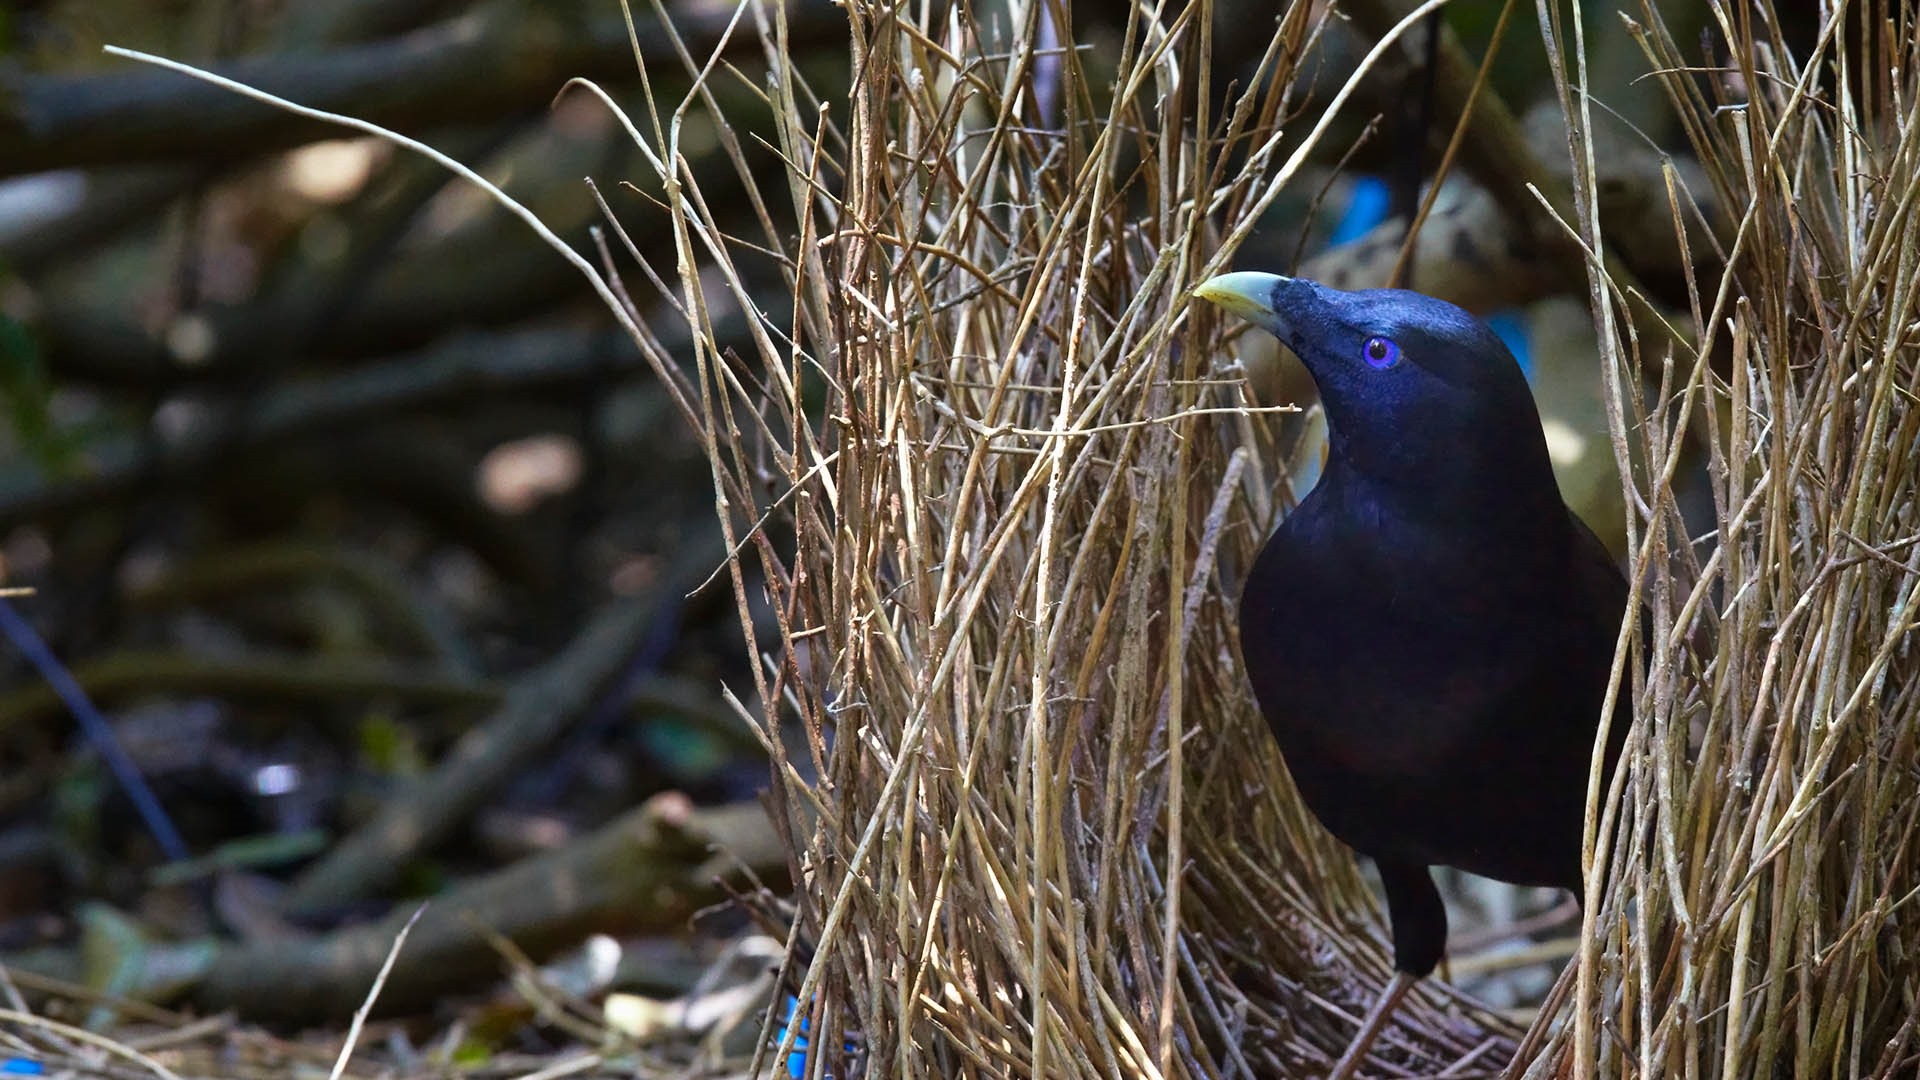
1431 631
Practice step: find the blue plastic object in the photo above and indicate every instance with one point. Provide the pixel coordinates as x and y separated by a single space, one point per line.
19 1066
15 628
1511 327
1366 207
797 1059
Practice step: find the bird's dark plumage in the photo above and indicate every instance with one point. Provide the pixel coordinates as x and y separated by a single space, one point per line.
1430 632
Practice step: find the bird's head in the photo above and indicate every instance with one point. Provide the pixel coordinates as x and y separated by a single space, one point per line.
1417 391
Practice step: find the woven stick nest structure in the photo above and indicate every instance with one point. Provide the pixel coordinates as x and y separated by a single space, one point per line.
1041 828
996 482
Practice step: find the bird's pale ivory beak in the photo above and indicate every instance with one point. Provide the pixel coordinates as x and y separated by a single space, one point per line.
1246 294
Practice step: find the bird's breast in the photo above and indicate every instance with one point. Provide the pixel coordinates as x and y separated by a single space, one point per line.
1434 695
1376 644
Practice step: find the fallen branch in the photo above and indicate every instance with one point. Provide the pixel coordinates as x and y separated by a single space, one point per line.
647 871
538 708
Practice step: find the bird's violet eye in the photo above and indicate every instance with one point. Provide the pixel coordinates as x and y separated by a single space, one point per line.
1380 352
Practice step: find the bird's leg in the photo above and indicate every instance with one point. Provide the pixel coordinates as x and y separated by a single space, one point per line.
1419 920
1371 1027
